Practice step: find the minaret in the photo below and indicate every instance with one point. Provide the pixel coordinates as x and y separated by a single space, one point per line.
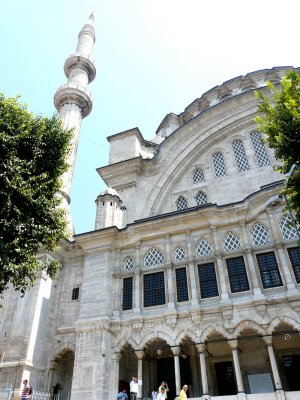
72 100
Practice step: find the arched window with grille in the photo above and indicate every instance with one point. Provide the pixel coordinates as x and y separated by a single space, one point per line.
153 257
201 198
231 242
128 264
198 175
240 155
288 228
204 248
259 149
260 235
181 203
179 254
219 164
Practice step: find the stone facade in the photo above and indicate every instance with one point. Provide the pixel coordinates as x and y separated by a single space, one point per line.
191 275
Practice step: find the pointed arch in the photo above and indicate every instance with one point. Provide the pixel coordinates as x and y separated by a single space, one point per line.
260 235
213 329
186 333
154 257
160 335
231 242
181 203
248 324
283 320
63 348
122 343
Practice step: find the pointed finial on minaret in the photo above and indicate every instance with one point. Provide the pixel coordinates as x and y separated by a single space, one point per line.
73 101
92 16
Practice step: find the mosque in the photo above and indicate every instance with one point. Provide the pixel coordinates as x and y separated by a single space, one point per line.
192 273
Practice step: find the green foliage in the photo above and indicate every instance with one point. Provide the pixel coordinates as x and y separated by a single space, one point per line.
279 120
33 151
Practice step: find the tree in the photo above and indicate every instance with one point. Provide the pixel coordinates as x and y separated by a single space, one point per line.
33 153
279 120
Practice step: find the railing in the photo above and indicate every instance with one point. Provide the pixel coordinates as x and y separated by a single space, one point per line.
6 392
43 396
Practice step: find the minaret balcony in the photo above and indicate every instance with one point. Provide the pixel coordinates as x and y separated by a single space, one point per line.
72 93
83 61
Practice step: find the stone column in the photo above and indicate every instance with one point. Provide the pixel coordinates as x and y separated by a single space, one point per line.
285 269
275 372
237 369
140 355
176 352
170 286
220 266
201 349
115 374
193 277
253 274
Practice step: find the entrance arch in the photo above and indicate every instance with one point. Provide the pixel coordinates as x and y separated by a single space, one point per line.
62 373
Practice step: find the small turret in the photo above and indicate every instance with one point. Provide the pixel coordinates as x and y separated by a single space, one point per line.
110 211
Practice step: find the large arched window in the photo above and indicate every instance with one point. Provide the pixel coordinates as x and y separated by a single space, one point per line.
240 155
153 257
231 242
181 203
259 149
219 164
198 175
203 248
288 228
201 198
260 235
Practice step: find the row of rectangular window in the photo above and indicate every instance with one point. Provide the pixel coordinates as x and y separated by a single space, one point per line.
154 284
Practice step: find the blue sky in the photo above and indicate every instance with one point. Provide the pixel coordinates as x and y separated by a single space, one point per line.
152 56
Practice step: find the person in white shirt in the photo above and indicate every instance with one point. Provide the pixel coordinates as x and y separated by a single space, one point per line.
133 388
161 394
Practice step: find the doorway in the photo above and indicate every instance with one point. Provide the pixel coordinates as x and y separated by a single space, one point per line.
165 372
225 378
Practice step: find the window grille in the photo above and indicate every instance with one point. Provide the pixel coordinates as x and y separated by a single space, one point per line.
231 242
181 203
198 176
181 285
240 155
154 289
75 293
288 228
128 264
153 257
201 198
237 274
294 254
260 235
179 254
127 293
259 149
208 280
269 271
204 248
219 165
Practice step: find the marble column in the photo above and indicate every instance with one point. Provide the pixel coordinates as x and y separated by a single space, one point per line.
236 363
115 375
176 352
285 269
253 274
140 355
192 280
201 349
274 367
170 280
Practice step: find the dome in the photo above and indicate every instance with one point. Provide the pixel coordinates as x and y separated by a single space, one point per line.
110 191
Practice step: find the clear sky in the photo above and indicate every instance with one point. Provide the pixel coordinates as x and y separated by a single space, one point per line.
152 57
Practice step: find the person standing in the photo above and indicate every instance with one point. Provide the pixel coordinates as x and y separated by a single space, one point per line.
161 394
25 390
154 394
123 395
166 387
182 395
133 388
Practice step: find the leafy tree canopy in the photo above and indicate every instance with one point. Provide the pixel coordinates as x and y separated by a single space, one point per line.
280 120
33 152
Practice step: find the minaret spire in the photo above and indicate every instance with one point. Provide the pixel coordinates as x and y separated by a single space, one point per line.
72 100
